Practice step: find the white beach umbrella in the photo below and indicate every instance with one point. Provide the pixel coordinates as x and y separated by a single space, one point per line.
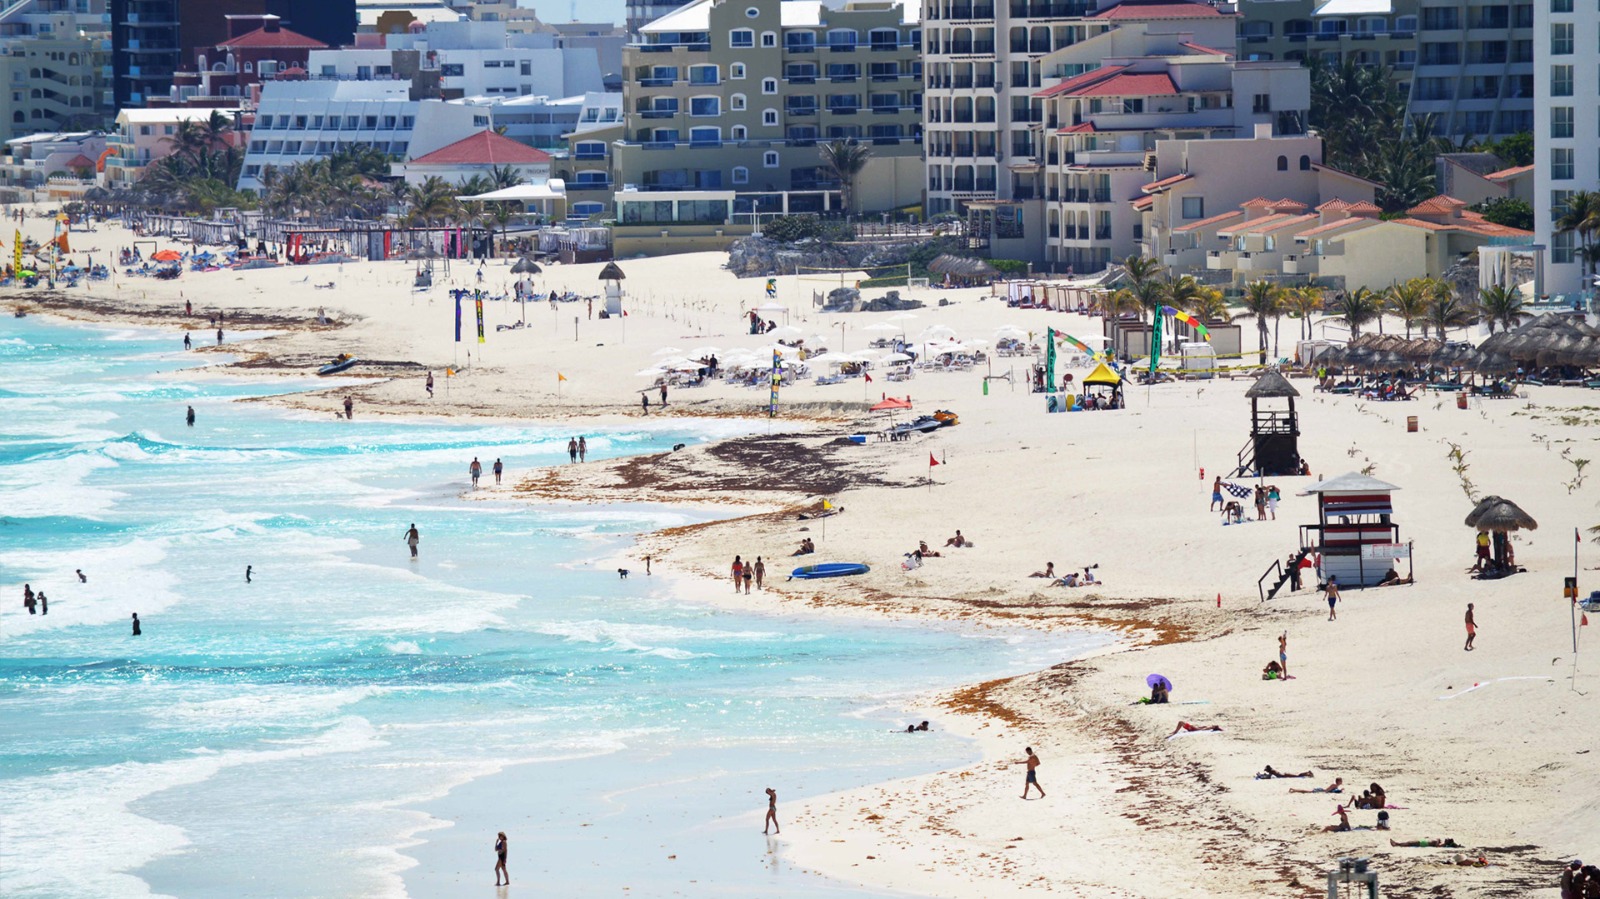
893 358
668 351
830 359
785 332
1011 331
977 344
938 332
701 352
649 373
686 366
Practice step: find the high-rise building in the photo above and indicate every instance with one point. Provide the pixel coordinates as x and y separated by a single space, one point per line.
1366 32
52 65
153 39
1474 73
1566 124
737 94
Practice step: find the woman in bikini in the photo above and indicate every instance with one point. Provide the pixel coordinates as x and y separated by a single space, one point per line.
500 859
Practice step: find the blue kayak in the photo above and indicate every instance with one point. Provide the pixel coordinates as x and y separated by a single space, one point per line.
830 569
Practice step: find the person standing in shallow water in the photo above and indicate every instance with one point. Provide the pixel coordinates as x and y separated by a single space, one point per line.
136 630
572 450
583 448
476 470
499 470
772 812
412 539
189 417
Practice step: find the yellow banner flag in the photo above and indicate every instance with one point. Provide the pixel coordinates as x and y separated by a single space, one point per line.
18 252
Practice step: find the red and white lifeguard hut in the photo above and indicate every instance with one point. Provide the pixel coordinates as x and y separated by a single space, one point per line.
1355 536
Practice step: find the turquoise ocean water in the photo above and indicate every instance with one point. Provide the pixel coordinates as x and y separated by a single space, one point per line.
353 723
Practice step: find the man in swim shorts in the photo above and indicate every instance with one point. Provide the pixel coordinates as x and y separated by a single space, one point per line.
1032 781
1472 629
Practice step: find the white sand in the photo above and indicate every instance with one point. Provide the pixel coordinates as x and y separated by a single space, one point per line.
1383 694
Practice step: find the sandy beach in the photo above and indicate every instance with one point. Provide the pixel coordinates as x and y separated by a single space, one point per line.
1493 748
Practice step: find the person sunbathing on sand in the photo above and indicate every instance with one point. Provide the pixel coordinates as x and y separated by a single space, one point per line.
1336 787
806 547
922 547
1344 821
1268 773
1070 579
957 540
1446 843
1049 571
1186 727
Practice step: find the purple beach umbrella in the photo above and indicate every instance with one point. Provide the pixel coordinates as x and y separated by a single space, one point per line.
1152 680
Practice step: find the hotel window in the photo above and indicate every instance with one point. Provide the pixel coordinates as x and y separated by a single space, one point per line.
769 39
741 39
736 71
769 159
736 102
705 106
769 86
1561 5
1561 39
1194 207
1558 203
738 132
769 117
1561 248
1561 163
741 175
1561 81
1561 121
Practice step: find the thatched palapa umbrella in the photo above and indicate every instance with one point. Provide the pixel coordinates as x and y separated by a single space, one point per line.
526 266
1498 517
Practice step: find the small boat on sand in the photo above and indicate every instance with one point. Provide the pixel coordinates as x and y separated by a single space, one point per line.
829 569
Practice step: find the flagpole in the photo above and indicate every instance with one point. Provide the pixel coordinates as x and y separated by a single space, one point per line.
1574 611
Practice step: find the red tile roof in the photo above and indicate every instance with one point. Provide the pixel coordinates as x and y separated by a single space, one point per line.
1200 48
1144 203
1334 205
484 148
1077 81
1153 84
1081 128
80 161
1508 173
1257 227
1440 205
1206 223
1256 203
1288 203
263 39
1254 224
1135 10
1334 226
1364 208
1165 182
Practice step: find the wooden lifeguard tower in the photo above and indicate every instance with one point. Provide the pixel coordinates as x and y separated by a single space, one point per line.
1355 535
1274 446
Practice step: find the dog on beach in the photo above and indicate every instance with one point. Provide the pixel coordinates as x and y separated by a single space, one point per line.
622 573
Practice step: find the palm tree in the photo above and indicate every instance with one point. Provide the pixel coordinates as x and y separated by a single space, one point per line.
1209 306
1581 215
1182 291
1148 295
1501 305
1409 300
432 202
1447 311
1141 268
844 160
1355 308
504 176
1303 302
1262 300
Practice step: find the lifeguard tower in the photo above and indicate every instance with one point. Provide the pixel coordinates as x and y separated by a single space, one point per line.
613 276
1355 534
1274 446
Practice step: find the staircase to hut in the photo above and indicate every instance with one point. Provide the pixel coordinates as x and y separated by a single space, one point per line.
1247 460
1283 574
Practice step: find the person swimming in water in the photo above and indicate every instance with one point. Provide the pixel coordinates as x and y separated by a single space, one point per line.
247 570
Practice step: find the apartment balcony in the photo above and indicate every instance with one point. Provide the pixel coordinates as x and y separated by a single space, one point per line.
801 79
1300 264
1222 260
657 82
1251 262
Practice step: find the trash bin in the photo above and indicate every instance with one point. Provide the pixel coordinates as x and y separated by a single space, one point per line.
1411 424
1461 400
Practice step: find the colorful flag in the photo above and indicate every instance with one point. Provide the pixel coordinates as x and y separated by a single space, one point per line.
1049 358
867 376
1084 347
777 378
457 295
560 376
480 316
1155 344
1191 321
772 288
827 506
932 461
18 251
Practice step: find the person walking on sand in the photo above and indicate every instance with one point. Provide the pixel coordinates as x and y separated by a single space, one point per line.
749 575
1032 781
1472 628
583 453
1216 494
1332 589
772 812
413 538
738 573
572 450
761 572
663 394
429 383
500 860
188 417
349 408
137 631
499 470
1283 652
476 470
1272 500
219 337
645 398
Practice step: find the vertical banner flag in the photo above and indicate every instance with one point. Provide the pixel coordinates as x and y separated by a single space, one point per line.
478 297
457 295
777 378
1049 359
1155 345
18 251
772 288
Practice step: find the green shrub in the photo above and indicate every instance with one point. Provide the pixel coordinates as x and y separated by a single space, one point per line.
792 228
1010 267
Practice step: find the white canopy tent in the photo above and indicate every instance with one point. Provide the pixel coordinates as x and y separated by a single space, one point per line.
552 191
